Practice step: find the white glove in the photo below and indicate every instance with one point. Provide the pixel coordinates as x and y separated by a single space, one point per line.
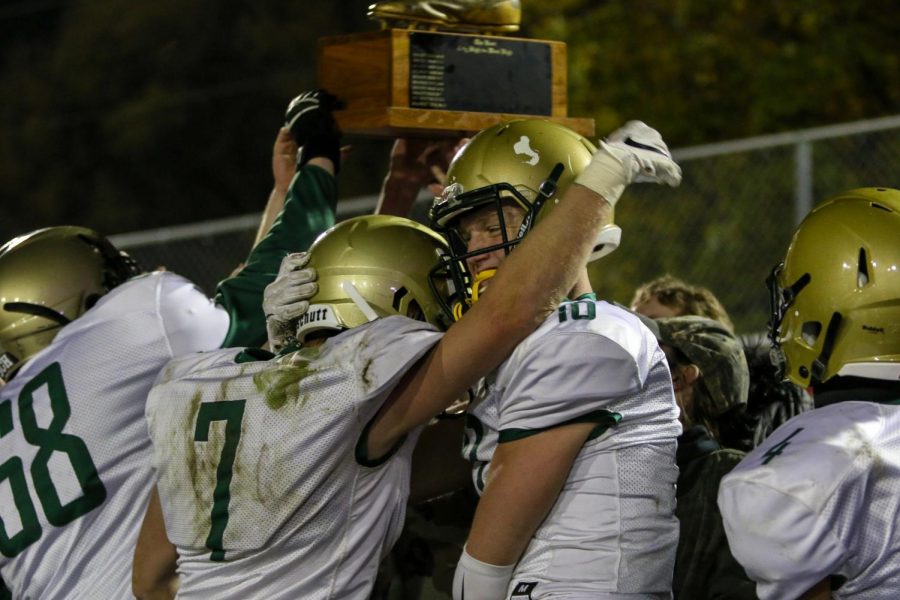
633 153
477 580
286 299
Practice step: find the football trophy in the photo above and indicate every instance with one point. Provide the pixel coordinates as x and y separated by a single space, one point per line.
444 68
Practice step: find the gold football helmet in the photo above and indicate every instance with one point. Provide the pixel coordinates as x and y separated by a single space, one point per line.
375 266
49 278
836 297
529 162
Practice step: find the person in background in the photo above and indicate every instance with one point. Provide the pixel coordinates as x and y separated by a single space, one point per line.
668 296
772 400
710 378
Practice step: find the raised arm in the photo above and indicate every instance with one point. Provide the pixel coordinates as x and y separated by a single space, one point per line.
308 211
415 164
284 166
527 288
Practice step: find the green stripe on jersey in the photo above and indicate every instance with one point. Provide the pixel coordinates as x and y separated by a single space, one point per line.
362 449
603 418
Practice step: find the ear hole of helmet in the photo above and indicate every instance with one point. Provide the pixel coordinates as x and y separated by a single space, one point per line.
820 365
862 272
810 332
414 311
398 298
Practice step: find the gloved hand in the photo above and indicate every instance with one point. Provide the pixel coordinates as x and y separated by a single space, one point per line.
286 299
479 580
309 117
633 153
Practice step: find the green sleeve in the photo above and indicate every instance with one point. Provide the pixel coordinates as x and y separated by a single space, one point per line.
308 211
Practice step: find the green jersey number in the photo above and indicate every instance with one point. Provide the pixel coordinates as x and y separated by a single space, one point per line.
778 448
473 435
577 311
232 412
48 441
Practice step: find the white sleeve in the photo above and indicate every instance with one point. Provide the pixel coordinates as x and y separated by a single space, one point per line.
389 346
191 321
784 545
568 376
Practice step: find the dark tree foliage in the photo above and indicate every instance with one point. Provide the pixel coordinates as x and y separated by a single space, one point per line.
125 115
706 71
130 115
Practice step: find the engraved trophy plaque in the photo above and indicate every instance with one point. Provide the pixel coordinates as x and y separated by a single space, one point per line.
403 82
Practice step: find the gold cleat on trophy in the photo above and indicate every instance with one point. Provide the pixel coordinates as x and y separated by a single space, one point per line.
469 16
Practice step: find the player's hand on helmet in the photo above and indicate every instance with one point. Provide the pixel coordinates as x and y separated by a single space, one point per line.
286 299
312 124
633 153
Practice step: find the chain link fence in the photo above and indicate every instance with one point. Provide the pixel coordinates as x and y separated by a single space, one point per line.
725 228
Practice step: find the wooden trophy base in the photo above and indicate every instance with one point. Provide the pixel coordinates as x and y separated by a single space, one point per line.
402 83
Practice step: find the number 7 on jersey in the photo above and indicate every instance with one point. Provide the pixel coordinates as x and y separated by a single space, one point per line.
232 412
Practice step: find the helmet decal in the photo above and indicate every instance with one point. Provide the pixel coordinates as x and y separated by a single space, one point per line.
318 316
358 300
523 146
451 192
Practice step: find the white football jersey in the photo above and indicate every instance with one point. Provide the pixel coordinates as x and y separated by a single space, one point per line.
263 488
820 497
612 529
76 474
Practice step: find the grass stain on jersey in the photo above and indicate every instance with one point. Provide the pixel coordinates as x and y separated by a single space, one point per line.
223 389
197 478
307 353
264 491
859 445
203 477
166 376
191 454
366 377
281 384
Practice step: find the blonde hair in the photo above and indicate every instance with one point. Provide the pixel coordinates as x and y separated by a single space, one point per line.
683 298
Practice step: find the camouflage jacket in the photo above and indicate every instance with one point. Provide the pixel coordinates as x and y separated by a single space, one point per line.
704 566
